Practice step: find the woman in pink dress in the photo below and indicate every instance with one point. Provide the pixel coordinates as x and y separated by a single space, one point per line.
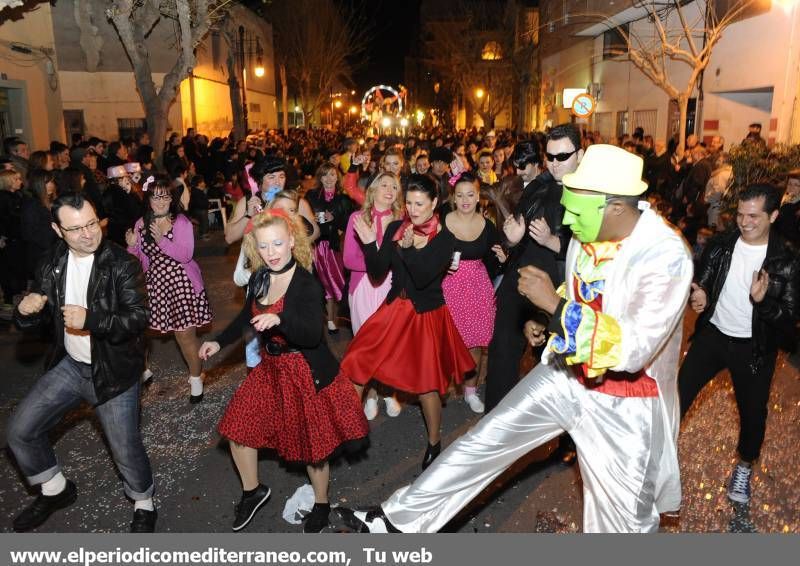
332 209
163 240
468 291
382 206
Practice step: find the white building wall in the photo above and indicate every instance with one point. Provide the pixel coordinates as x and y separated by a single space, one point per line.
570 68
624 88
759 53
32 79
753 76
106 97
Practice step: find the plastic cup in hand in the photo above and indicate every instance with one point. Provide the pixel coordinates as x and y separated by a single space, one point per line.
455 261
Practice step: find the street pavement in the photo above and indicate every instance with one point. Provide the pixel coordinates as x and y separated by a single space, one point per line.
197 484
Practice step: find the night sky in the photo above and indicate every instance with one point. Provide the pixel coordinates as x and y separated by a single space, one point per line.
394 25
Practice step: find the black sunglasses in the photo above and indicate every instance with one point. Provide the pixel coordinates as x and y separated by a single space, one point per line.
560 156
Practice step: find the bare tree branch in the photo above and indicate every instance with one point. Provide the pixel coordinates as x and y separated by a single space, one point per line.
675 41
133 20
317 43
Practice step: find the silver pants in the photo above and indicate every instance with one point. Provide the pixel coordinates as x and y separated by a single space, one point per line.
619 442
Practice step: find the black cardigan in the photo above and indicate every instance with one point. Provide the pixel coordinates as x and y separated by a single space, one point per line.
301 324
340 207
416 273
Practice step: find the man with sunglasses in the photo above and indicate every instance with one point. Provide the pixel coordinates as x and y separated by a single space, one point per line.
92 292
534 237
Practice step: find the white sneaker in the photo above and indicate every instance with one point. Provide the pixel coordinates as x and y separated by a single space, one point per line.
147 375
474 403
371 408
393 408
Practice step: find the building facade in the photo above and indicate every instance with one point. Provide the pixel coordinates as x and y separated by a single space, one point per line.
65 71
753 74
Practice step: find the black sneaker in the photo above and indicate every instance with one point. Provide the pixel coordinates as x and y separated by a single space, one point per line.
43 506
144 521
317 519
246 508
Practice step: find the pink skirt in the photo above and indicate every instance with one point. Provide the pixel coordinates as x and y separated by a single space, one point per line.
469 296
365 300
329 267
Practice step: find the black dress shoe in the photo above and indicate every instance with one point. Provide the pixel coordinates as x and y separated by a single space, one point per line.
195 399
430 454
144 521
43 506
372 521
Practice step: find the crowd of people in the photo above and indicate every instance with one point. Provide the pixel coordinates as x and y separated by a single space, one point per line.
449 254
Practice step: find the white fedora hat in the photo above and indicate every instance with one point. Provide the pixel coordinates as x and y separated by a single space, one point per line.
610 170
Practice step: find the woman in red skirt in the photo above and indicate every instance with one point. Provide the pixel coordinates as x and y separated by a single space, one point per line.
411 343
295 401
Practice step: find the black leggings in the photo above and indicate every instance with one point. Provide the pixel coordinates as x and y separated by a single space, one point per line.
712 351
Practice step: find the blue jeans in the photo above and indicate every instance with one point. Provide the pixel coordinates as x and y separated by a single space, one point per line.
60 390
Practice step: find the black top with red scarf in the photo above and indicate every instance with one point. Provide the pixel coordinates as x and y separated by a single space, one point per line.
416 273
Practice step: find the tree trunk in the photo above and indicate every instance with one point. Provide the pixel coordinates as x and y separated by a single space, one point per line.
488 118
235 90
521 105
284 99
683 106
157 123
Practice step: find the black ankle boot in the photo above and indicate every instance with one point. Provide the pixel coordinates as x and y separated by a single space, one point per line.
318 518
431 453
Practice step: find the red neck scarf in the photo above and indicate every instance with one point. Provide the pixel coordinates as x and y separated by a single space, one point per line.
429 228
377 222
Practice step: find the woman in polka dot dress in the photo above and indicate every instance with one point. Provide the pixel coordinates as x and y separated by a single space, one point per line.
295 401
163 240
467 288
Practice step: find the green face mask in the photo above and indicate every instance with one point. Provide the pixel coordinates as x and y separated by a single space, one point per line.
583 214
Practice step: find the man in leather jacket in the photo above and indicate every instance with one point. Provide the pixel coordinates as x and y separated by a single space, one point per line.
535 221
746 293
92 293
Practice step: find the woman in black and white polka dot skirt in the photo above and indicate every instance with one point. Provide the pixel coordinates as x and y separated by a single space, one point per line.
163 240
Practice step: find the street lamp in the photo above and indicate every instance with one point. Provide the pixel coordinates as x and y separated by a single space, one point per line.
249 47
479 93
338 103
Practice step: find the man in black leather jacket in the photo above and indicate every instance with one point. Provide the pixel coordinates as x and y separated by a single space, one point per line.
535 237
746 293
93 294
